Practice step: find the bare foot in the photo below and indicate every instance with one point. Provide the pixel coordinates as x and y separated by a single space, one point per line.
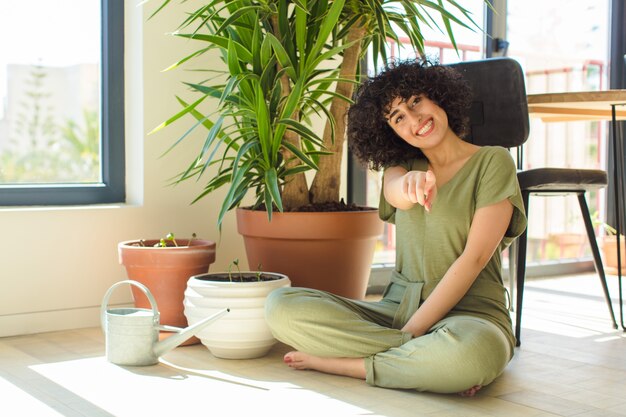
299 360
470 392
352 367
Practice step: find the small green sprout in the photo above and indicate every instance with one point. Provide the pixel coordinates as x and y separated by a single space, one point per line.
259 271
595 220
163 242
236 262
170 237
230 267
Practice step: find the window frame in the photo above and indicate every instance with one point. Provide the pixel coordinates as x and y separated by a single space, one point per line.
112 159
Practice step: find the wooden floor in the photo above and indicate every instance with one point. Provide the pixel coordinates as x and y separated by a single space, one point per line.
571 363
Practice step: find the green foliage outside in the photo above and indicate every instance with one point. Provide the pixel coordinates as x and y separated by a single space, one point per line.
46 151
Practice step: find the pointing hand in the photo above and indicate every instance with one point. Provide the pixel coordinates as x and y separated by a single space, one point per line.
420 187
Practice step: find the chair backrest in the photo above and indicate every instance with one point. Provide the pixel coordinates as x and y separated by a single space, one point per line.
499 114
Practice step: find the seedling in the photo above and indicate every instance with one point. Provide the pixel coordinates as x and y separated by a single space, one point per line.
165 242
168 238
595 219
230 267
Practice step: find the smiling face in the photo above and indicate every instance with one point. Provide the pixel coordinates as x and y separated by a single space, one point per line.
418 121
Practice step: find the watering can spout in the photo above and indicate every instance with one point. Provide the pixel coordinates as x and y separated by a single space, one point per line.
181 335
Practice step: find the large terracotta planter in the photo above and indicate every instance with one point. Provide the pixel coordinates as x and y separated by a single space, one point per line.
330 251
609 251
242 333
165 271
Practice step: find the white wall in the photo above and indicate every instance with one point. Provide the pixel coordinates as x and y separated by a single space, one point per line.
57 263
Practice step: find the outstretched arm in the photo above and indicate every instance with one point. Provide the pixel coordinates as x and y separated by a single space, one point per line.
403 189
487 230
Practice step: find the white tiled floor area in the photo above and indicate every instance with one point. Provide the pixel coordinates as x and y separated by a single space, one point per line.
571 363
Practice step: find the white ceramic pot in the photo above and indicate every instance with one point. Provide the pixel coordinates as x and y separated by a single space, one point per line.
243 332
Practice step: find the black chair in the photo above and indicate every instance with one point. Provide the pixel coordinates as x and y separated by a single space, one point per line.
499 116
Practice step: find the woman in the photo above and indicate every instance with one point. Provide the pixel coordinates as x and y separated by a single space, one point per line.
442 324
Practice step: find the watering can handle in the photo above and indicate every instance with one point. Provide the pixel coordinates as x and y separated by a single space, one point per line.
146 291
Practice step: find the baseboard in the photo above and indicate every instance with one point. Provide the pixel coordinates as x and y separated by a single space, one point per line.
50 321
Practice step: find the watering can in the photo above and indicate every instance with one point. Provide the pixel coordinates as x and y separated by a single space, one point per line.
132 334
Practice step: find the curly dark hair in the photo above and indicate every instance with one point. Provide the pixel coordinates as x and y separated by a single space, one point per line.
371 138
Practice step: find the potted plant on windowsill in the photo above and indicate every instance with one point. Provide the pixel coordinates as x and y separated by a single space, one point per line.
608 244
164 266
609 249
286 64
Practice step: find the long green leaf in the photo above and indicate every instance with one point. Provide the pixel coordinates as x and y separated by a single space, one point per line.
216 183
214 91
220 41
198 14
157 10
331 53
178 115
296 170
268 203
303 157
283 57
293 99
180 139
207 123
263 123
232 19
301 32
233 62
185 59
271 183
328 23
228 200
302 130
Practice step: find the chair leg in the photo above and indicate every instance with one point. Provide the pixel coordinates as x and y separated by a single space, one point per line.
597 260
521 273
512 280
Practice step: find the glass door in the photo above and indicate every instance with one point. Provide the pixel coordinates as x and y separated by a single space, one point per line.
562 46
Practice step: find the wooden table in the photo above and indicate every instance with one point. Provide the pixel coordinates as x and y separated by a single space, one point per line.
589 106
577 106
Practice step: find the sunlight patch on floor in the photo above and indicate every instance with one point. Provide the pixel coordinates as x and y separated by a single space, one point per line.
16 402
166 389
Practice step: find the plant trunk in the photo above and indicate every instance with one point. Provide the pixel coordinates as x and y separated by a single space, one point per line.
295 192
325 186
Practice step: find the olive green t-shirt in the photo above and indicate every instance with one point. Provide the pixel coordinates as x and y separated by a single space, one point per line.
427 243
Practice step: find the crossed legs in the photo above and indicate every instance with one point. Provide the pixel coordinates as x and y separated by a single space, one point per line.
354 338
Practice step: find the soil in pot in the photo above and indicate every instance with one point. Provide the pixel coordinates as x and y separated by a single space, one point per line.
240 277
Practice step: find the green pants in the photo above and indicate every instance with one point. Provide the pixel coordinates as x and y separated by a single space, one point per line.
456 354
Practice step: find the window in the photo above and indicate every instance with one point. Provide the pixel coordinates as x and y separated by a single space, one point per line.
62 109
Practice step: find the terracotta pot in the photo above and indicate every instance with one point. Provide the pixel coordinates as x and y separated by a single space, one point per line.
609 251
330 251
569 245
242 333
165 271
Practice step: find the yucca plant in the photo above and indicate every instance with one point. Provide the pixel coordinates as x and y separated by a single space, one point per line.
286 64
